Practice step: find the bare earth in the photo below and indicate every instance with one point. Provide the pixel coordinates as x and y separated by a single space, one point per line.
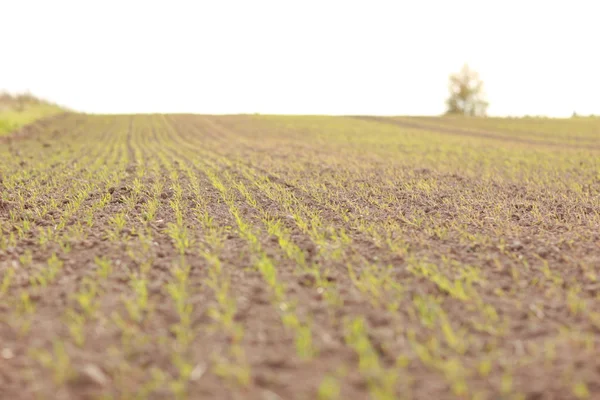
263 257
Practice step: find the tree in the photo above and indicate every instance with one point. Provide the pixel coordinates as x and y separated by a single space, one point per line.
466 93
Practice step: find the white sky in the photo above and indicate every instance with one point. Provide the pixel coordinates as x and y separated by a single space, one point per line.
301 57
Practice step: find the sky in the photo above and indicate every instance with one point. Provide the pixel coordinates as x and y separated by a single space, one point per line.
301 57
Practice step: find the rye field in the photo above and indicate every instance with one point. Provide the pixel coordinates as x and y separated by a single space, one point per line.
300 257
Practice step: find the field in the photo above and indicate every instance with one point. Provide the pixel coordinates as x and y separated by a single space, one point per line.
19 110
300 257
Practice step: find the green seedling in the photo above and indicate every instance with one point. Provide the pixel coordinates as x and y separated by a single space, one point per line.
76 324
57 361
6 280
329 388
104 265
86 298
138 305
381 382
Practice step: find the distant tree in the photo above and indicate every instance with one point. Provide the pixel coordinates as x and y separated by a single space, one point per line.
466 93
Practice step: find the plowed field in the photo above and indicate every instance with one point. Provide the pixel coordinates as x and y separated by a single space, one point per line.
271 257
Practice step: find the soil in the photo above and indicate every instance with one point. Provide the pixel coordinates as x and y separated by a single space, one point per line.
529 326
441 126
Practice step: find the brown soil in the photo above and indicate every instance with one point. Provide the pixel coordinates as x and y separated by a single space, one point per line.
527 328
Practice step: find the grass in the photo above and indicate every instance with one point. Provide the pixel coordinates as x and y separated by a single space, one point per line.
19 110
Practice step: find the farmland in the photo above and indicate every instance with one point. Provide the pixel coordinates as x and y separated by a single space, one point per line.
300 257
